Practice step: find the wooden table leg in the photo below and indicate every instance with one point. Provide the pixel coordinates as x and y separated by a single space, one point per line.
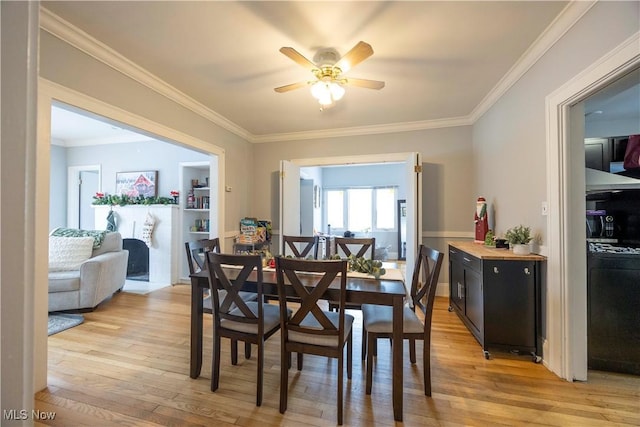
397 357
197 295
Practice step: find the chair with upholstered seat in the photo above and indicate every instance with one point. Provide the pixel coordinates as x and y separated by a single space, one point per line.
197 261
235 318
377 320
310 329
299 246
358 247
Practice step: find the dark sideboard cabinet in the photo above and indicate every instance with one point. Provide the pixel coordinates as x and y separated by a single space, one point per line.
497 296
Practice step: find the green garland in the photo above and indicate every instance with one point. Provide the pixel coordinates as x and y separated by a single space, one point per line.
123 200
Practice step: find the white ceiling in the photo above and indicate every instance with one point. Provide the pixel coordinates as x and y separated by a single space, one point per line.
440 60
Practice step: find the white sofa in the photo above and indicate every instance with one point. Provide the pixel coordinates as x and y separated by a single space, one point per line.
83 284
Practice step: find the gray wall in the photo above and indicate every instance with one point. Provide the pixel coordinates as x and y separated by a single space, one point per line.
58 188
509 141
137 156
60 63
448 189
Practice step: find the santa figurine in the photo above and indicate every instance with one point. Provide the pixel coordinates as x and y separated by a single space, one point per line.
481 220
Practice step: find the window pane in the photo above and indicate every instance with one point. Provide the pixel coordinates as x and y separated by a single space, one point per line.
359 209
385 208
335 208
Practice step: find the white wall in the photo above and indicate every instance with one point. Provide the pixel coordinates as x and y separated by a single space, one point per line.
19 31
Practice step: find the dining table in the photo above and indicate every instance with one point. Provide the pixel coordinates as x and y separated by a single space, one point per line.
361 289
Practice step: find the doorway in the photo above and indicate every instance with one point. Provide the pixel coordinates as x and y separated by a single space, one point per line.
565 348
50 94
83 182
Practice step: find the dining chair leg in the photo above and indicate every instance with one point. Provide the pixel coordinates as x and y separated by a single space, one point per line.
412 351
284 380
215 363
371 339
350 355
234 352
247 350
364 343
260 373
426 367
299 361
340 388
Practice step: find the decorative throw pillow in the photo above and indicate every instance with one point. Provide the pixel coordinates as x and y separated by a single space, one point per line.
67 253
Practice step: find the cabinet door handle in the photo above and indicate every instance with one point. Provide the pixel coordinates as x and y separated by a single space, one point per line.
466 259
495 270
526 271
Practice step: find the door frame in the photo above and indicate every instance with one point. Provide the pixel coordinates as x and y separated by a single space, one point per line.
565 347
49 93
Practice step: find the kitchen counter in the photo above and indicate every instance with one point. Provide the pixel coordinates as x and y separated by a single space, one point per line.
481 251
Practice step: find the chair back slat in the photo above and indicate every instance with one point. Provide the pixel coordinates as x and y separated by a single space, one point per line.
196 250
310 288
356 246
233 307
428 264
300 246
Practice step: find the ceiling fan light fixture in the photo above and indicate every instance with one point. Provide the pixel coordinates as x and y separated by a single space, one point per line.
327 92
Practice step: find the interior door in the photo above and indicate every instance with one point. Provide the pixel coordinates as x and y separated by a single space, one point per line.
89 183
413 166
289 200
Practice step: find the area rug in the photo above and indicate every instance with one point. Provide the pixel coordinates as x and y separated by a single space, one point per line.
59 322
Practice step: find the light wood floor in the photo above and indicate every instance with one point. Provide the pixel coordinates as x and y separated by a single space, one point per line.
128 364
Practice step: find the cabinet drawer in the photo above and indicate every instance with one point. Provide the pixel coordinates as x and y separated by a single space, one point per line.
469 261
455 254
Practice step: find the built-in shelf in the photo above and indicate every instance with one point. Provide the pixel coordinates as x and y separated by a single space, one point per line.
199 218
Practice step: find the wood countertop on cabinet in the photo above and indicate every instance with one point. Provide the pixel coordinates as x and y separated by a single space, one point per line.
481 251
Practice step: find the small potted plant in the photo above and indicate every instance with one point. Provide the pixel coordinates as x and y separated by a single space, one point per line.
519 238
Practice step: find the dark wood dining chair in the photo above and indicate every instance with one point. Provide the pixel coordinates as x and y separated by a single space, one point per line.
360 247
310 329
357 246
197 261
300 246
235 318
377 320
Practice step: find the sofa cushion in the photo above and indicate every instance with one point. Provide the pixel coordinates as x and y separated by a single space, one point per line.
98 235
67 253
112 242
64 281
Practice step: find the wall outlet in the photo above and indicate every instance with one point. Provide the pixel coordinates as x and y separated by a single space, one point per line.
545 208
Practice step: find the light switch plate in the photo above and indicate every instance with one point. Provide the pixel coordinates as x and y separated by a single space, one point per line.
545 208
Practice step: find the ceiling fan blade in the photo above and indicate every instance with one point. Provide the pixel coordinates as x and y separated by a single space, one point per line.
369 84
298 58
292 86
359 53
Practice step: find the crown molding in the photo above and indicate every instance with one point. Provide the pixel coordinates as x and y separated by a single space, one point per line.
558 28
84 42
79 39
363 130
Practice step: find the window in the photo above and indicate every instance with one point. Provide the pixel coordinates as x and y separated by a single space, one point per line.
361 209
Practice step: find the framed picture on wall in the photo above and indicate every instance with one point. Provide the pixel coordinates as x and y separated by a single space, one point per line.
135 184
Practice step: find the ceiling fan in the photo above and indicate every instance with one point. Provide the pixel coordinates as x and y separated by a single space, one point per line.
328 70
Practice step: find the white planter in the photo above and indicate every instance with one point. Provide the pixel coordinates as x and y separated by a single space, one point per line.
519 249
